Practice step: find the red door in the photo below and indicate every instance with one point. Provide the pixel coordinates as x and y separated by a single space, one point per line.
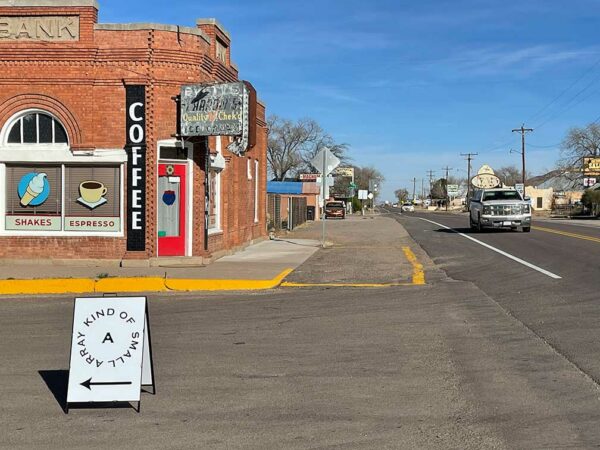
171 209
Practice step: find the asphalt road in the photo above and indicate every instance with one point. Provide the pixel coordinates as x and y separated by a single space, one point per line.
488 354
564 312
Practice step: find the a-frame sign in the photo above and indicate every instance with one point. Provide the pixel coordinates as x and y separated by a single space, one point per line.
111 352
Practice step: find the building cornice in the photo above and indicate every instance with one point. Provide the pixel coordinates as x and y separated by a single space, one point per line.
48 3
151 26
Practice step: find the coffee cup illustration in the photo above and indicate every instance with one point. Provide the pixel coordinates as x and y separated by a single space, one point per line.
92 191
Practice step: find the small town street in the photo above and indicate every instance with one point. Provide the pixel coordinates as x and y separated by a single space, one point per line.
487 353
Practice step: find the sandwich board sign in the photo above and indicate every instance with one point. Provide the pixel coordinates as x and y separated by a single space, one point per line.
111 355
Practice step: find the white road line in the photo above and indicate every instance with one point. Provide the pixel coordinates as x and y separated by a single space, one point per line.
497 250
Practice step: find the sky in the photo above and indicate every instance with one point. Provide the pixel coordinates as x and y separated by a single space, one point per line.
409 86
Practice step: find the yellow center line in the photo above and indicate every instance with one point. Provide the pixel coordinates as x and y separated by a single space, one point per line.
566 233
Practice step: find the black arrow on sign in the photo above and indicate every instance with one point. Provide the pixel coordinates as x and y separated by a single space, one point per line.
89 383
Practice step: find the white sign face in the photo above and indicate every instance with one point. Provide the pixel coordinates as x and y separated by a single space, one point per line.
589 182
107 349
452 188
370 196
520 187
362 194
331 161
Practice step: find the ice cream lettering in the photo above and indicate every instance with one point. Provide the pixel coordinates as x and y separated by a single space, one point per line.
34 188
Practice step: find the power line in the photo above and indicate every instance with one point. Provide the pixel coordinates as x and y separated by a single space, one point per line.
577 80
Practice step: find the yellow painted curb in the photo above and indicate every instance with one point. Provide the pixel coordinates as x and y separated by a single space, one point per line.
47 286
133 284
418 274
181 284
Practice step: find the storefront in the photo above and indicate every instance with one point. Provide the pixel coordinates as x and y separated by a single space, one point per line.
92 157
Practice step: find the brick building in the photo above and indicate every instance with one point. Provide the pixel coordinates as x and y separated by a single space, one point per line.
73 93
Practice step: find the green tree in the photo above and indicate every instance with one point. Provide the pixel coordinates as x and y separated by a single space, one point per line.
591 199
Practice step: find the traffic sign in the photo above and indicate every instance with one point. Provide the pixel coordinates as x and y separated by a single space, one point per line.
325 159
370 196
520 188
363 194
111 357
452 189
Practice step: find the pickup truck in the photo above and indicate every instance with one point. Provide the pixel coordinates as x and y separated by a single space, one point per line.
499 208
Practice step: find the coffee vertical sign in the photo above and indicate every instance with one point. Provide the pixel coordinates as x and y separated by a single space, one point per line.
136 167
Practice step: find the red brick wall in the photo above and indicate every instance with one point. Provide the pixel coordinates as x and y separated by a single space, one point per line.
83 84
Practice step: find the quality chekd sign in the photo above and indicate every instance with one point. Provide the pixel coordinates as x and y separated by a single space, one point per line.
111 358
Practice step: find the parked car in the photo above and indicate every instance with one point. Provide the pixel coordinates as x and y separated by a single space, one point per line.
408 207
335 209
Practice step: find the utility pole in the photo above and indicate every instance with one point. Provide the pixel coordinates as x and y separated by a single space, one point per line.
414 188
523 130
447 169
469 158
430 173
422 192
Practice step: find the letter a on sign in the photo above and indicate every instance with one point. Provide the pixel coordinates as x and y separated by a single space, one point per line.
111 354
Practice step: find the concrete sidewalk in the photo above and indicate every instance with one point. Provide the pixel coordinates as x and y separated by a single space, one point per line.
259 266
361 251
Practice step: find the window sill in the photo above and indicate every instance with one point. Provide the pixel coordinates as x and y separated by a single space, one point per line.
214 231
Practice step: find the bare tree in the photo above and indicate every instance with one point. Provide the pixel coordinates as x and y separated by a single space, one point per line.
578 144
510 175
401 195
362 175
292 145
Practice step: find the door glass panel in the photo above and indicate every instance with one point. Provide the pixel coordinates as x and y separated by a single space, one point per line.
168 206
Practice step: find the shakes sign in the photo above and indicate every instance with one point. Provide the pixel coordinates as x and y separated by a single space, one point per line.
222 109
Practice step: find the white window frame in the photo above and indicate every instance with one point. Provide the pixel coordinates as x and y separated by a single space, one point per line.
217 228
255 191
189 209
56 155
18 116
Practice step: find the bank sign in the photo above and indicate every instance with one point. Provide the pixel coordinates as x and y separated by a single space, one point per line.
213 110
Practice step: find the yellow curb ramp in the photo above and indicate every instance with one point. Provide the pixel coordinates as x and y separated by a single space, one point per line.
418 277
132 284
181 284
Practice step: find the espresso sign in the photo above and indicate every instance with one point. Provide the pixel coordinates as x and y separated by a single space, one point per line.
213 110
39 28
136 167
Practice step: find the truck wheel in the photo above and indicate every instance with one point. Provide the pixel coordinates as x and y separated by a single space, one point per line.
472 224
478 226
526 229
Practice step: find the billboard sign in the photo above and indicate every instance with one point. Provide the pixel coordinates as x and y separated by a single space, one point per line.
213 110
591 166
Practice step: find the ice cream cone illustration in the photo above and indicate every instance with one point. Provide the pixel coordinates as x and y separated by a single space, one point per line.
34 188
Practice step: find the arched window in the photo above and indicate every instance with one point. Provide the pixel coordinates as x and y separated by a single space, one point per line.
36 128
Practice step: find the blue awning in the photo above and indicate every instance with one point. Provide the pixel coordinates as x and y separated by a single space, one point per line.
284 187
